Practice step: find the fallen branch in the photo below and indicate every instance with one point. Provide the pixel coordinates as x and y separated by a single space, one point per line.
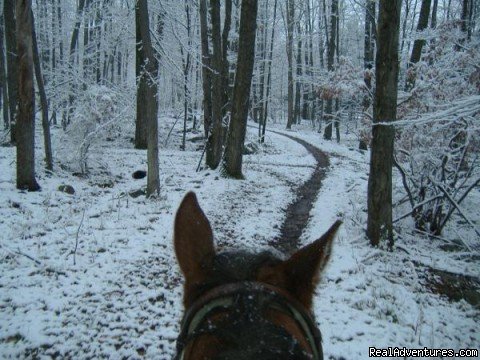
19 252
416 207
457 206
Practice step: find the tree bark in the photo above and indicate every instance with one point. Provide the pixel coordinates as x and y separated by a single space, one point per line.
232 164
379 222
43 100
25 133
150 101
12 63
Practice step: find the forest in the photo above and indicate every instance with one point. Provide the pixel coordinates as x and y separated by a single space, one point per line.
283 117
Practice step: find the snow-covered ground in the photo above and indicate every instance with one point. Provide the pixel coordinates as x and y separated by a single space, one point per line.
119 294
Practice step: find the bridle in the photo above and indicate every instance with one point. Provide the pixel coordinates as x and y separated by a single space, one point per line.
225 297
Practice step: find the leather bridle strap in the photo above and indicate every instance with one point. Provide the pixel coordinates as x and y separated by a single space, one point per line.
224 297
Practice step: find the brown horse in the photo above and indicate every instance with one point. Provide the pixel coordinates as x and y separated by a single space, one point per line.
241 305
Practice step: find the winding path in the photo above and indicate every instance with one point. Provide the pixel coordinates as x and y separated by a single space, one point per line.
298 212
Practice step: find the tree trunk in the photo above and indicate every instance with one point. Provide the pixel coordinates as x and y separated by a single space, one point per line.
60 29
368 59
269 77
12 63
327 135
232 164
43 100
186 70
150 101
215 140
206 73
262 41
465 21
142 84
298 81
25 133
369 47
71 61
379 222
225 65
418 44
290 23
3 80
87 51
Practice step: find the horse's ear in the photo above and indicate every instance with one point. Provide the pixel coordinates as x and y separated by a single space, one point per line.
193 241
302 270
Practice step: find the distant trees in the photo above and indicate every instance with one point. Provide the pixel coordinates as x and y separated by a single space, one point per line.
314 61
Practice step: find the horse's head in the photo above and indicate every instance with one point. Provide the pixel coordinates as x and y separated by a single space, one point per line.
241 305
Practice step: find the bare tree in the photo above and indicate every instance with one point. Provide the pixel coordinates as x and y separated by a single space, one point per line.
379 222
232 164
150 102
25 133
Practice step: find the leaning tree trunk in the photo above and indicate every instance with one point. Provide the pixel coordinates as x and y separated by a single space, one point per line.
25 133
379 222
269 76
232 164
71 62
43 100
150 101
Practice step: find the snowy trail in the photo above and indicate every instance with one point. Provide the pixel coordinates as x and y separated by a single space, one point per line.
298 212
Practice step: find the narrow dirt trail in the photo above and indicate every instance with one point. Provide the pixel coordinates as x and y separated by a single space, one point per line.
298 212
